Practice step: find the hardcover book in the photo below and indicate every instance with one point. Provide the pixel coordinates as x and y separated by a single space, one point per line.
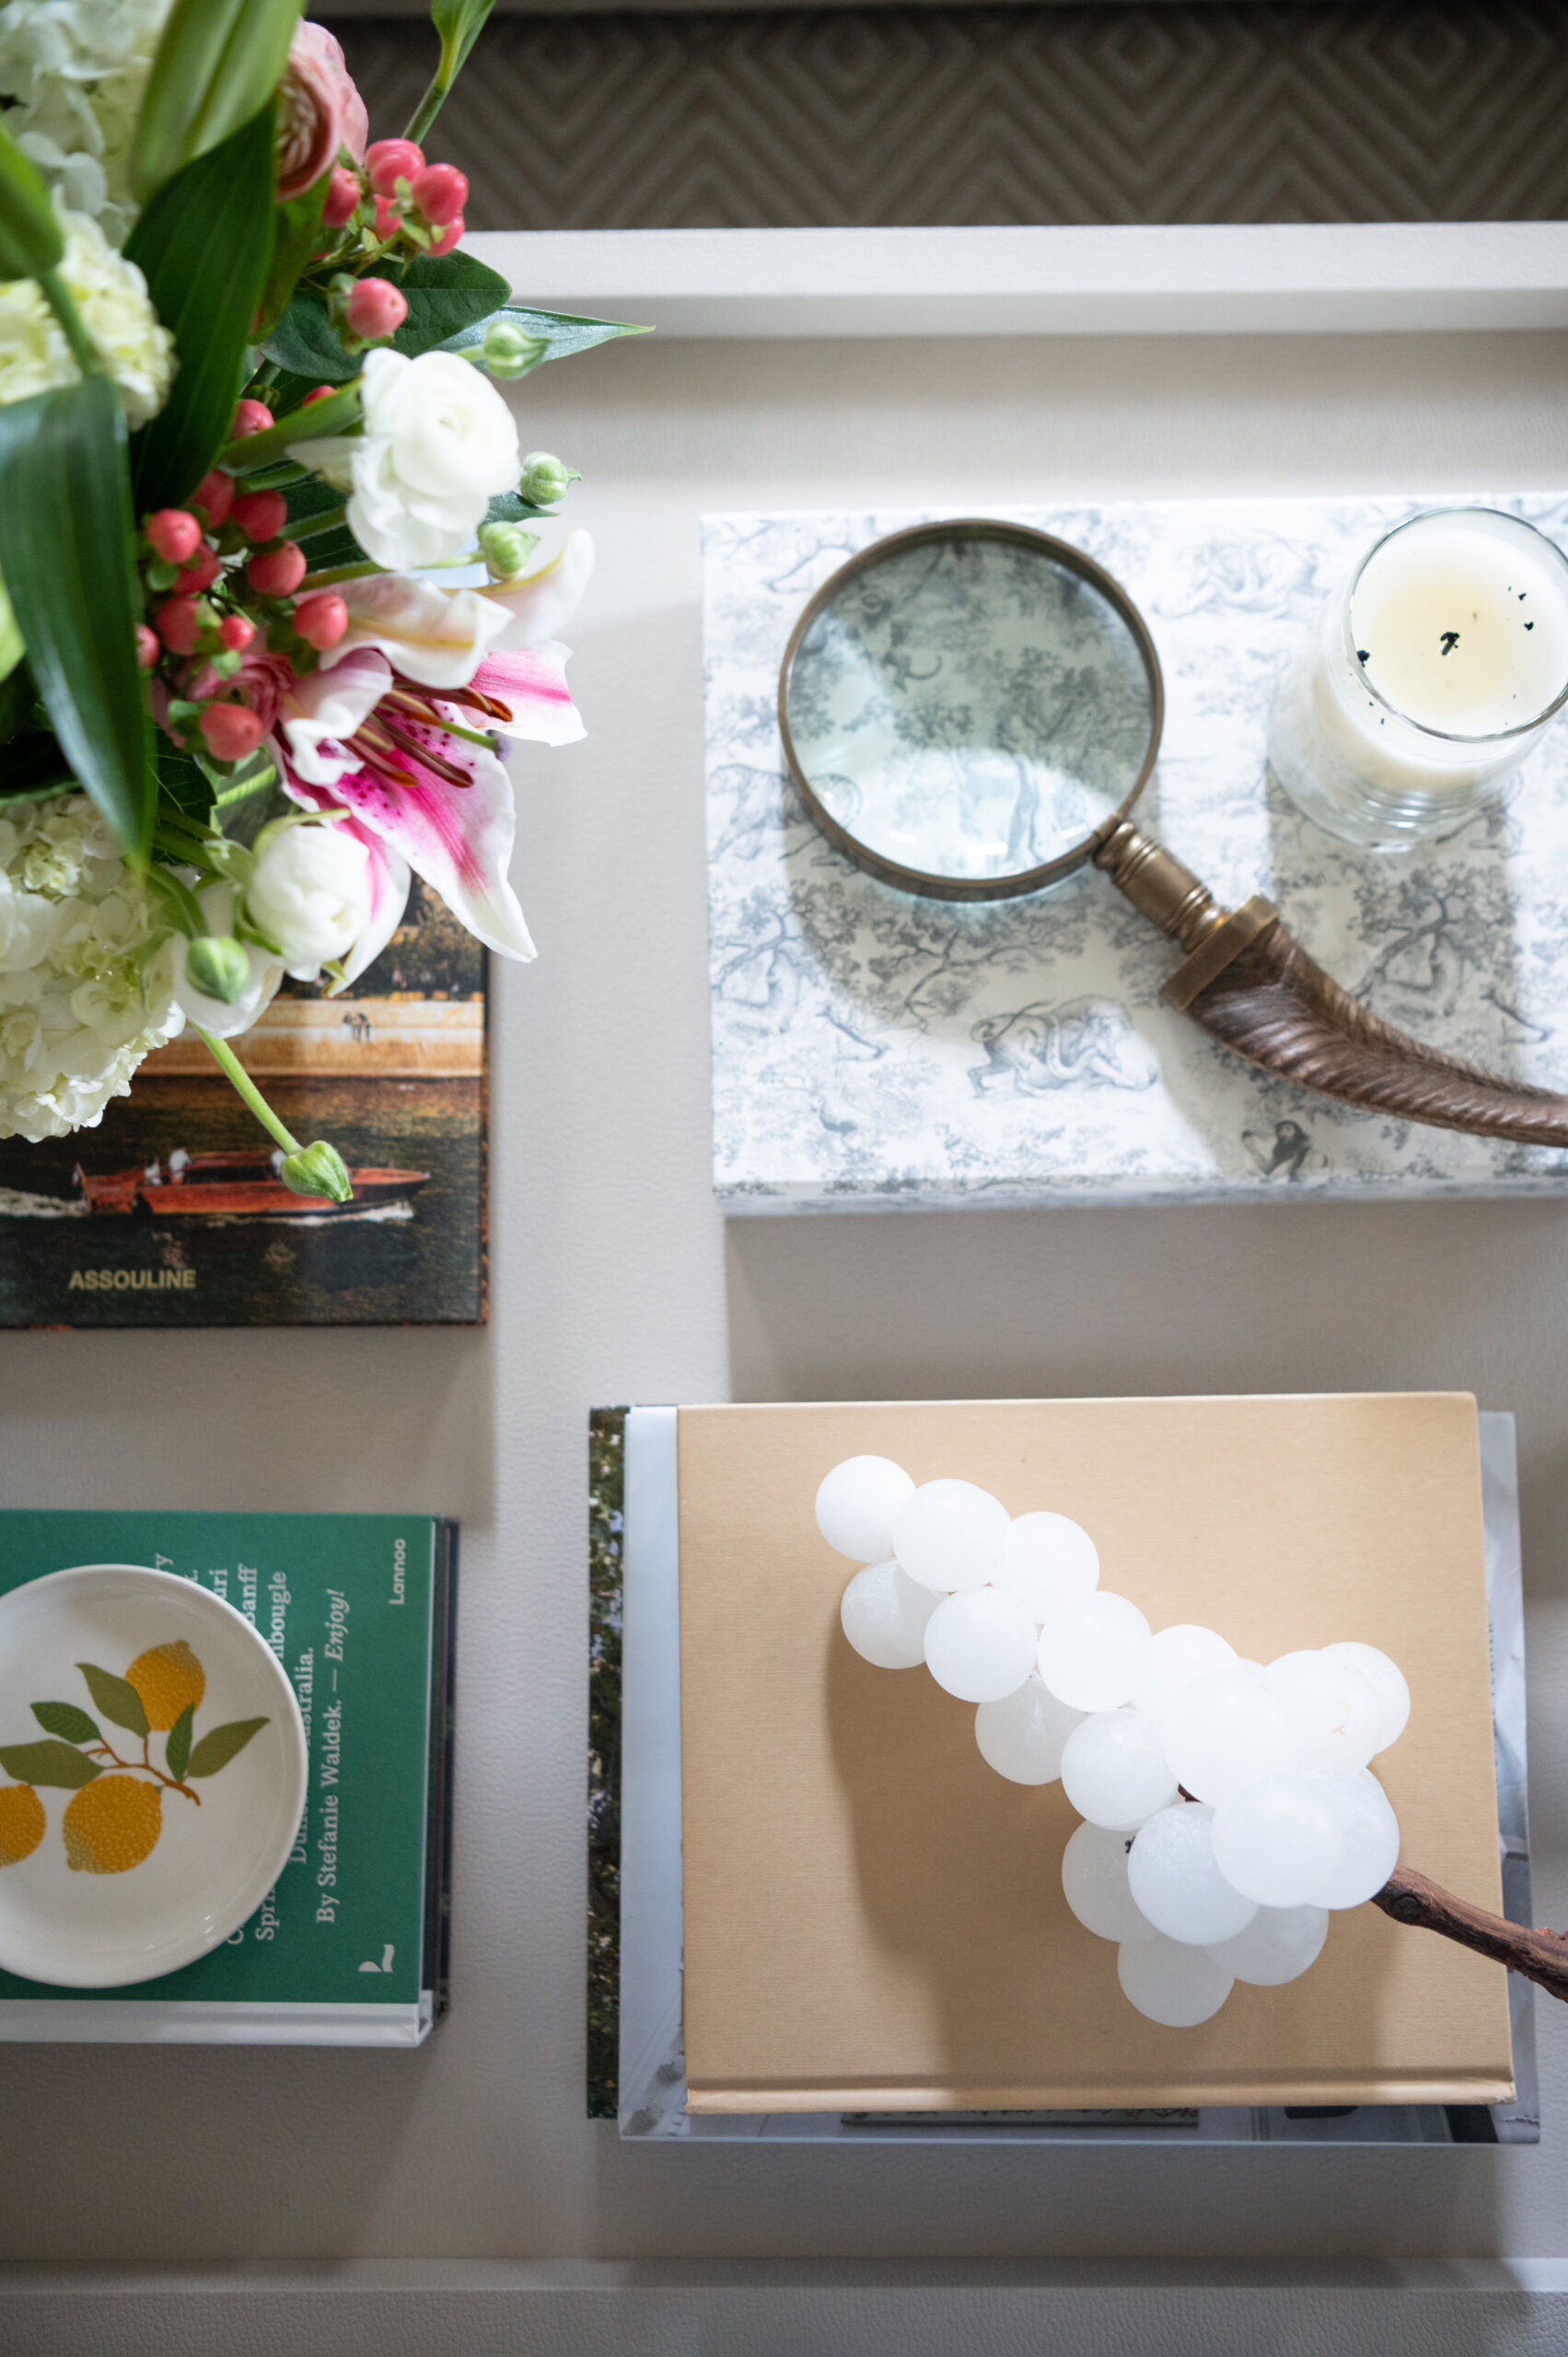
349 1946
170 1211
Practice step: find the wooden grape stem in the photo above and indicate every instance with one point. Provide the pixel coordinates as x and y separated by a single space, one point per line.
1414 1898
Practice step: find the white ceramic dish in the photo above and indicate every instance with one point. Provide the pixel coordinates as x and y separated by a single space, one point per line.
117 1886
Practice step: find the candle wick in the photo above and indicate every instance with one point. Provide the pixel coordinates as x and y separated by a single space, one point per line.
1450 640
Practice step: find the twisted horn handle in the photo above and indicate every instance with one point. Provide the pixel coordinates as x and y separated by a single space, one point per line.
1250 984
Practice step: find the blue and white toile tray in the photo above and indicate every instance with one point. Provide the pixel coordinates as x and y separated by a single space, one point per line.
875 1050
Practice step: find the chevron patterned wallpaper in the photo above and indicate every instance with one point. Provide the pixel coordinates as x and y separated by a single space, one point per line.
1358 109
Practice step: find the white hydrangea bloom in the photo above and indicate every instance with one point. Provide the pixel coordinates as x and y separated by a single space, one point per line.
112 295
76 70
83 994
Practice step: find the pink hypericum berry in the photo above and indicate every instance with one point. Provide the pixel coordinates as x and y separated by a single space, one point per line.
200 574
237 630
231 731
448 238
388 161
376 308
260 514
148 648
322 619
440 191
174 533
321 393
388 218
251 417
178 623
278 571
342 198
214 496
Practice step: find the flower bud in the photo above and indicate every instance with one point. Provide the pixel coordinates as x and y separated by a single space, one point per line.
218 966
317 1169
440 191
200 574
322 619
174 534
214 496
506 549
260 514
321 393
278 571
388 161
507 352
450 236
148 648
388 218
251 417
230 732
310 891
545 479
374 309
178 623
342 198
237 630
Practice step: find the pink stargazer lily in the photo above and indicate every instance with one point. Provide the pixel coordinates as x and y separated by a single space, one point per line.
414 760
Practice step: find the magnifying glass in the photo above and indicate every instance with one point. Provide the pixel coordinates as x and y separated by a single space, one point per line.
970 710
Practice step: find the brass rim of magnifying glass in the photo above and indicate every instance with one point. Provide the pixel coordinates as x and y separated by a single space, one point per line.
1071 560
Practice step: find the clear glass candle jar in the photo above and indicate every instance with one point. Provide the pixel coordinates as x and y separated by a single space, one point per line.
1429 675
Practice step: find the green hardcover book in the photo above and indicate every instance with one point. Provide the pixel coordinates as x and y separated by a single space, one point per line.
349 1946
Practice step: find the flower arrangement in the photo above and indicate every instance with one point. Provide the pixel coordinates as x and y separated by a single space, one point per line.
249 405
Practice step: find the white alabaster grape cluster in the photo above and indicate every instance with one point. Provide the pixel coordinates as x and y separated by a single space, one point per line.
84 992
1228 1806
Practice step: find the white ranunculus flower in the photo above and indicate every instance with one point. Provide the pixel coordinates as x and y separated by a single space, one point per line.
214 1014
438 444
75 71
112 296
84 991
311 893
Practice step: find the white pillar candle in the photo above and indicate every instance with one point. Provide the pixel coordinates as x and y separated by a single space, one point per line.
1429 677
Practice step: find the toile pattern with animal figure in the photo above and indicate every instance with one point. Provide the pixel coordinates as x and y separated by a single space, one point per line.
872 1049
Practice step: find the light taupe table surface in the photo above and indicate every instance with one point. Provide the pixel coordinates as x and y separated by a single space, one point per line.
613 1278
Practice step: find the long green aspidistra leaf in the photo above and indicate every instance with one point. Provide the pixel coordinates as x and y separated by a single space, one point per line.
67 552
203 244
31 242
217 62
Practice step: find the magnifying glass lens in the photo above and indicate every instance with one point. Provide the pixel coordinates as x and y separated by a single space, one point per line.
969 708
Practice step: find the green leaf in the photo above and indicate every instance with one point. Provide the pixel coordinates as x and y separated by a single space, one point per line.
179 1749
561 331
511 508
446 294
459 23
254 452
216 1750
217 62
115 1697
67 554
64 1718
298 232
48 1763
203 244
31 242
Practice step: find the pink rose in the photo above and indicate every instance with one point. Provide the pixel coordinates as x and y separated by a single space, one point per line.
261 681
320 111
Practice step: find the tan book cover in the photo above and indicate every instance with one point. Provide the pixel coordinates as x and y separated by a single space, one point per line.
875 1919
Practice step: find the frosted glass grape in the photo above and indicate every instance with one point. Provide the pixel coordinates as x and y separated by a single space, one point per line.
1169 1982
1176 1883
1021 1735
1368 1830
1178 1655
979 1646
1278 1841
1337 1713
1387 1680
1114 1770
884 1615
1093 1655
1279 1945
1227 1728
1050 1561
950 1534
855 1506
1094 1881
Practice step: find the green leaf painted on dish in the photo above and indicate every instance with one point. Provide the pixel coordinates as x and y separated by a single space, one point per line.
64 1719
216 1750
48 1763
115 1697
179 1753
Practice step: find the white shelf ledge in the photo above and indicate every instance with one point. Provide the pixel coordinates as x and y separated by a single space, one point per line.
1279 279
